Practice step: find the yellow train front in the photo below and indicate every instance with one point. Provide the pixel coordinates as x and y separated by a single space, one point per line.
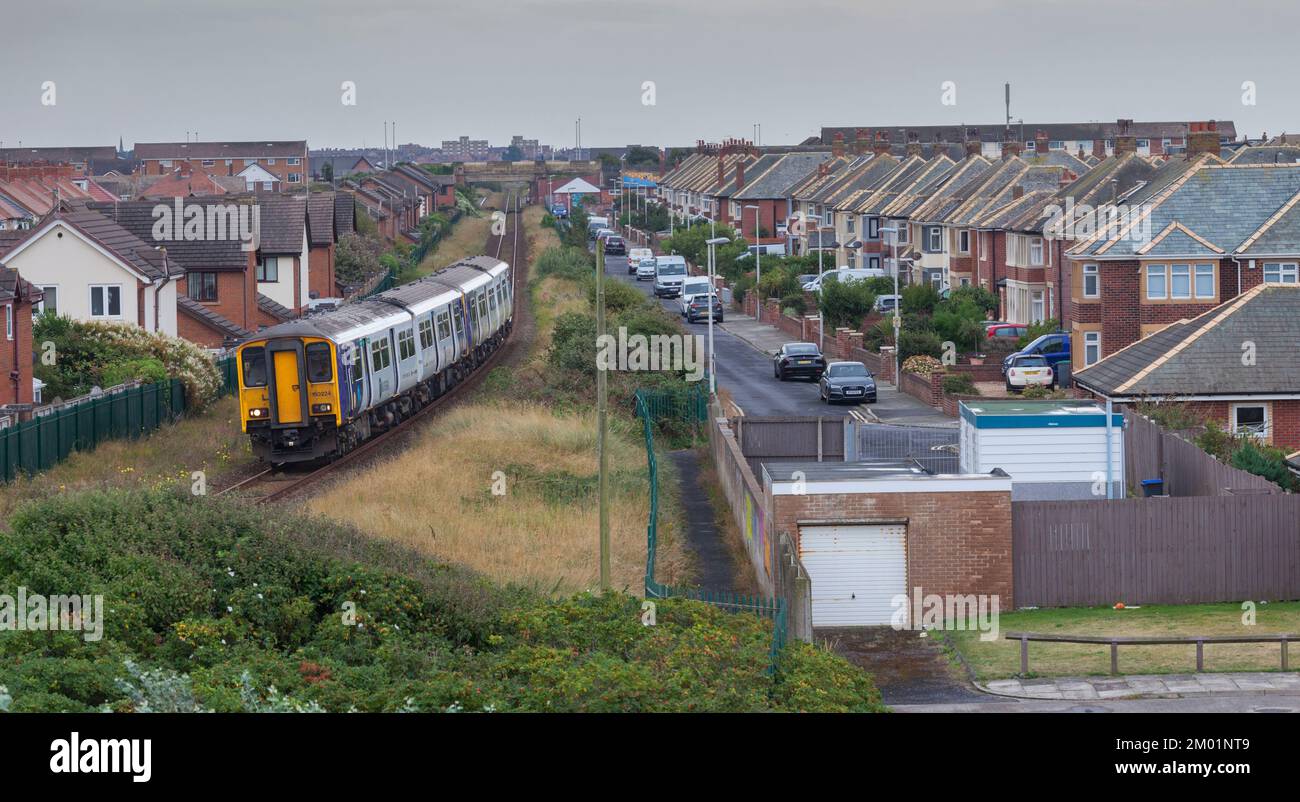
289 394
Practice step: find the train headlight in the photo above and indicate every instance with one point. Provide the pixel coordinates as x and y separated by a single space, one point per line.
259 412
321 409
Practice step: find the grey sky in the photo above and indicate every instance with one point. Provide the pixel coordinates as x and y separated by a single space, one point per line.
150 70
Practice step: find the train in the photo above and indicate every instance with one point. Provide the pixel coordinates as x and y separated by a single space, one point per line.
313 389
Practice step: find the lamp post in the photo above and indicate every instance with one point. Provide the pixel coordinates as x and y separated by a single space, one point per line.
892 231
821 317
758 261
713 378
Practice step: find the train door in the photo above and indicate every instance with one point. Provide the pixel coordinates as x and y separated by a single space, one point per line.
428 352
352 357
383 379
288 387
493 308
471 300
446 341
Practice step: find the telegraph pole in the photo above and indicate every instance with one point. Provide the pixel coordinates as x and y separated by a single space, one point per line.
602 413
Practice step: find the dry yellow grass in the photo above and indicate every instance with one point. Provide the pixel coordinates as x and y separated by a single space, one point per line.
467 238
437 497
539 237
210 442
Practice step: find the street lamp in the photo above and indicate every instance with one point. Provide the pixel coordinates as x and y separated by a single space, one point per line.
758 260
821 317
892 231
713 377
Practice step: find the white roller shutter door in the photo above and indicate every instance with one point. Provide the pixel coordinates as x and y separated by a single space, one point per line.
856 571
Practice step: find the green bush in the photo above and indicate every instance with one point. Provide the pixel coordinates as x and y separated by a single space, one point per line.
913 343
1264 461
566 262
959 384
1036 330
919 299
794 302
845 303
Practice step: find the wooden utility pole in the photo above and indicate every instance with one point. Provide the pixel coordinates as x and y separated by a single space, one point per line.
602 411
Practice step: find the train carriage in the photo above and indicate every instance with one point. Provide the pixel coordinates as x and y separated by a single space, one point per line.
314 388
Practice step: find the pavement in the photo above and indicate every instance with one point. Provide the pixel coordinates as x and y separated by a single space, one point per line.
1145 685
714 566
907 668
1198 703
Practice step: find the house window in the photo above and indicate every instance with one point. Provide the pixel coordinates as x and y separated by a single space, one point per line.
1205 281
1156 282
9 321
268 269
405 345
848 223
380 356
229 162
208 162
1180 281
934 239
984 249
1091 347
270 161
1250 420
295 178
903 233
202 286
106 300
963 241
735 210
872 225
1036 251
1280 273
853 260
1144 143
1091 281
49 300
873 262
165 163
294 162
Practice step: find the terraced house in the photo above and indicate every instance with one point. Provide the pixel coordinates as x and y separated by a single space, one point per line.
690 189
286 160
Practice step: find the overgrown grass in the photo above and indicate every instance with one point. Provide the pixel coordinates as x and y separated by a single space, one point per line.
466 239
1001 658
209 441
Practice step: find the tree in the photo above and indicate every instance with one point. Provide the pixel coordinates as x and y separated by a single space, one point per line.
356 257
513 154
327 172
920 298
845 303
640 158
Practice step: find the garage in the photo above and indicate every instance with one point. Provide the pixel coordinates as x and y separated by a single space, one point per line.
856 571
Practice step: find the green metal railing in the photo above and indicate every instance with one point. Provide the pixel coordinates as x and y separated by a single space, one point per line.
689 405
774 609
43 442
229 376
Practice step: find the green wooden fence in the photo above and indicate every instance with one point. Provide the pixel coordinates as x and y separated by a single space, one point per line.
647 404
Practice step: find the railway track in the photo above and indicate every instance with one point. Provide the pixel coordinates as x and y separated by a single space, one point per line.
276 484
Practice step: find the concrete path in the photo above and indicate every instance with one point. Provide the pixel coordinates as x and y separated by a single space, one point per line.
714 568
907 668
1192 703
1144 686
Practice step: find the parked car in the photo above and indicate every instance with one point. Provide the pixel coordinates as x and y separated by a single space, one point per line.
595 225
1028 369
670 271
1012 331
843 274
1054 347
634 257
777 249
615 246
847 381
805 278
798 359
559 211
645 269
886 304
699 308
691 287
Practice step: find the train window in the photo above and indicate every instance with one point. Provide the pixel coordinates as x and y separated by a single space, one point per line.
482 305
380 357
405 345
473 311
319 368
444 325
426 333
254 367
460 325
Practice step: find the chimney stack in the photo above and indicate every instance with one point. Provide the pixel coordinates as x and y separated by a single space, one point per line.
1125 141
861 141
1011 145
837 144
1202 138
973 145
913 143
881 145
1040 142
740 175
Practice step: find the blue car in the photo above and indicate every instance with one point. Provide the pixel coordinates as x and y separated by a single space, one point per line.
1054 347
559 211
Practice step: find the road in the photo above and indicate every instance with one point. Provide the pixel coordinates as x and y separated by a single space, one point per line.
742 370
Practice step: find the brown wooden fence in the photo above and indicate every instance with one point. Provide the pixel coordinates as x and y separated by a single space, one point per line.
789 438
1156 551
1153 453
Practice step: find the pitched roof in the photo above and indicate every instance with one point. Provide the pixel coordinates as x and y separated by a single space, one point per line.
1202 356
205 315
780 177
320 219
273 308
284 221
220 150
345 214
137 255
1266 154
197 254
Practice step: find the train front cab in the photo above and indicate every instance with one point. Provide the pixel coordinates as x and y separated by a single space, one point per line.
288 398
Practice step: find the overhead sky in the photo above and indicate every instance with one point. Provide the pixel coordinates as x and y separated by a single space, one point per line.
151 70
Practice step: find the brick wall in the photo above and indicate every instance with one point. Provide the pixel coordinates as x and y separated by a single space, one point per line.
16 355
957 542
926 389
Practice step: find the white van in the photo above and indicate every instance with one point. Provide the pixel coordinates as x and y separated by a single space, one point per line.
595 224
844 274
776 249
670 272
691 287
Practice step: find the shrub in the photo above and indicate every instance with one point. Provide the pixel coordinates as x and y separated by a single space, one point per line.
565 262
978 297
1036 330
356 257
919 298
922 365
1264 461
794 302
959 384
1215 441
619 296
845 303
919 343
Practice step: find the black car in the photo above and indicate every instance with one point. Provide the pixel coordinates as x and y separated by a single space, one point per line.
847 381
699 308
615 246
798 359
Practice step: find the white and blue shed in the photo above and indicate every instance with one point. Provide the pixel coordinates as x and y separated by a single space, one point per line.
1050 449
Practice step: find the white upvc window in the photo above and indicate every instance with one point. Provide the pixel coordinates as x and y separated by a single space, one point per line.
735 210
1036 251
1157 282
1091 281
106 300
984 249
1091 347
9 321
1251 420
934 239
872 226
963 241
1280 273
1204 281
1180 281
848 223
828 218
294 162
853 259
49 300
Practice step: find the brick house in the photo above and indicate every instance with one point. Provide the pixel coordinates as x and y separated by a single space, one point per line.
769 189
287 160
17 297
1179 255
1236 363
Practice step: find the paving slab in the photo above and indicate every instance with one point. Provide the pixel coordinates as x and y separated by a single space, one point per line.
1147 686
